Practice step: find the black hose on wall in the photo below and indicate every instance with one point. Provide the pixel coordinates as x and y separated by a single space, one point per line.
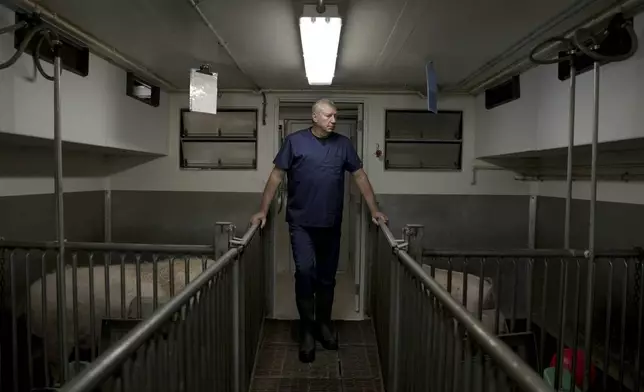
39 29
617 42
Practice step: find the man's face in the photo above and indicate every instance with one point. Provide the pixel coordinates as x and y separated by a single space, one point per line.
325 118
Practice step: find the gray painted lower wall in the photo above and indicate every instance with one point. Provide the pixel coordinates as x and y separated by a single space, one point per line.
618 225
451 221
462 221
178 217
33 218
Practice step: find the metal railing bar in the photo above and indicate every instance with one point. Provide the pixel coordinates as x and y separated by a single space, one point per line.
113 246
388 235
511 363
528 253
110 361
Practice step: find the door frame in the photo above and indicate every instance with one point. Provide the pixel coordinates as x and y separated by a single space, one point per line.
362 233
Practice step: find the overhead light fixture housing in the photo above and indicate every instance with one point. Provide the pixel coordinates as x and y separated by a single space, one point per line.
320 34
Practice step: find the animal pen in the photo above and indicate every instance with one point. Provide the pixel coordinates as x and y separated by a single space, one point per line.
186 318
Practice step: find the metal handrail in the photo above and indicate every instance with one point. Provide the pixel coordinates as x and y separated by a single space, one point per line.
508 360
107 246
532 253
108 362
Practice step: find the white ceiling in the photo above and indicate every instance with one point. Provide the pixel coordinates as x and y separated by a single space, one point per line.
384 44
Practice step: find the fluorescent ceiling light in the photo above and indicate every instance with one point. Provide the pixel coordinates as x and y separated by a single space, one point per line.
320 35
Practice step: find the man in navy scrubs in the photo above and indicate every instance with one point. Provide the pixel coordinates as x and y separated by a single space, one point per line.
315 160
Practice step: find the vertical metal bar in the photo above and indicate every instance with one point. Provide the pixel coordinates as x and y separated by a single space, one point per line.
458 355
429 332
150 363
394 325
622 334
139 300
107 216
30 364
75 311
14 320
563 295
435 331
609 314
161 371
173 356
532 222
60 222
468 364
497 297
465 274
571 143
202 333
403 331
92 306
123 304
482 364
228 306
481 282
640 320
43 299
186 271
544 291
515 290
421 358
529 279
107 262
242 324
236 327
591 234
171 261
423 347
575 334
2 304
126 375
155 281
181 348
189 346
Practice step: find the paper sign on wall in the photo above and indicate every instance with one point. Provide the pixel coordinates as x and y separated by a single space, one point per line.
432 87
203 90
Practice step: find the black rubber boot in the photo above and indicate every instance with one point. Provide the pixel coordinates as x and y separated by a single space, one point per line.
325 332
306 340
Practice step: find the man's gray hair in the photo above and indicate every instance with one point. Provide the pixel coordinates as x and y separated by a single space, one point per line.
322 102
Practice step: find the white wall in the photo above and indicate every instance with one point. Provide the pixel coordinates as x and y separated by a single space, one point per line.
539 119
164 173
95 109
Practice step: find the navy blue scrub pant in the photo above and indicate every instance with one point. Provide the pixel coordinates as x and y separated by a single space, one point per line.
316 251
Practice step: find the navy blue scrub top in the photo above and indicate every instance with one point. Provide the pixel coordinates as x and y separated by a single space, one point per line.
315 170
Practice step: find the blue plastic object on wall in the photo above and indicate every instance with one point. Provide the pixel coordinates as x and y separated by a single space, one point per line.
432 87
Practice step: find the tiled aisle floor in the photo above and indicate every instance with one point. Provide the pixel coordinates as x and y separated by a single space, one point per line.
353 368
